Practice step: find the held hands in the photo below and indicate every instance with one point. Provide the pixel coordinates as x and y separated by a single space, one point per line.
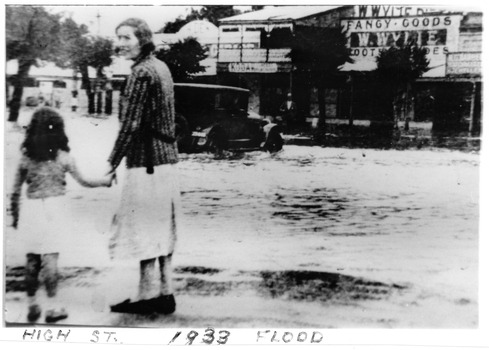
110 175
111 178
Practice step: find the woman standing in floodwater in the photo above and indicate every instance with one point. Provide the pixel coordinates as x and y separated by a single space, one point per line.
144 228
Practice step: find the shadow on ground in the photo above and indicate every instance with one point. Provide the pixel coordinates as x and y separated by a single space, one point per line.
204 281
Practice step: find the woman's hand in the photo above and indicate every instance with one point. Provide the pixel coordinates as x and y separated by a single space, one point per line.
113 178
110 175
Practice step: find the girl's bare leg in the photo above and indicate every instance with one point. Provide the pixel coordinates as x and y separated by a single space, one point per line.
33 266
50 273
50 276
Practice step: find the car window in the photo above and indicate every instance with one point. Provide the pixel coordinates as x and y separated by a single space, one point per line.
192 100
196 100
231 100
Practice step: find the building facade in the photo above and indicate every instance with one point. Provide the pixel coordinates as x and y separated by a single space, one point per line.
253 49
253 53
449 93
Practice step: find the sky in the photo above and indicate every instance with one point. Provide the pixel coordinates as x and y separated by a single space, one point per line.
111 16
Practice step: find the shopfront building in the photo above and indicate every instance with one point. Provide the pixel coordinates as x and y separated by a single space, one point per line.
253 53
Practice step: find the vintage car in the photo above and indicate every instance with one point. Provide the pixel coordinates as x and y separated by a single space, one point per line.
215 118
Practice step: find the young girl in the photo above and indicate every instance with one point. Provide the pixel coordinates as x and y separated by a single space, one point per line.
44 162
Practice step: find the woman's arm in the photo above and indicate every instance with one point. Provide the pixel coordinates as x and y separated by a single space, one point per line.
131 113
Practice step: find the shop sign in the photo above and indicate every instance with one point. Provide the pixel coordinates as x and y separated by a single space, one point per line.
439 34
470 42
238 67
461 63
392 11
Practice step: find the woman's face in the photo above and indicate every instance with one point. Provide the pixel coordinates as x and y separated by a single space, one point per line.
127 43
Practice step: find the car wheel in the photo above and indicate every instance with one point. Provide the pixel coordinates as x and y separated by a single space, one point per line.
217 140
274 141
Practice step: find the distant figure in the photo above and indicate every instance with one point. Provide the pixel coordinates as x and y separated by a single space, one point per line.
57 97
74 100
288 114
45 161
41 99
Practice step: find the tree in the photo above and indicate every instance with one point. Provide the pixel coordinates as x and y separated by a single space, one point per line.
178 23
31 35
317 54
183 58
397 69
212 13
80 51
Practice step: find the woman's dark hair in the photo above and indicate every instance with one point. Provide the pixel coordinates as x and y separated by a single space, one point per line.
45 135
142 32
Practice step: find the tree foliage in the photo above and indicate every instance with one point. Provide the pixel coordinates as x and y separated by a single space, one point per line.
397 69
317 54
400 65
31 35
179 22
80 50
183 58
75 44
212 13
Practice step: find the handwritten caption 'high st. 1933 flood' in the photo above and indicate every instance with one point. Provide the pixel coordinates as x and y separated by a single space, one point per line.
63 335
209 336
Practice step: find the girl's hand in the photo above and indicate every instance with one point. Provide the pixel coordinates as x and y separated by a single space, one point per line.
15 218
109 169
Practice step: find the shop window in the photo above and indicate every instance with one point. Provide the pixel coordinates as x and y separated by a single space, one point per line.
261 31
30 82
280 38
59 84
231 29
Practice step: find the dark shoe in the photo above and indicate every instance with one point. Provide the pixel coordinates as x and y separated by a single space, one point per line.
164 304
141 307
121 307
34 313
56 315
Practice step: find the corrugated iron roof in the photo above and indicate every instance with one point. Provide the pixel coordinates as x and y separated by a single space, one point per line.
280 13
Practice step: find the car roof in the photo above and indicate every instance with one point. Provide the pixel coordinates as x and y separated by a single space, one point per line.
211 86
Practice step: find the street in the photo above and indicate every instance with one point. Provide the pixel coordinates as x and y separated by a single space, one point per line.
308 237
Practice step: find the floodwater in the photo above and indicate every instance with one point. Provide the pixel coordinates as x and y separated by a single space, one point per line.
308 237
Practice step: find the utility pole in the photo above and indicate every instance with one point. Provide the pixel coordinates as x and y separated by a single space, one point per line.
98 22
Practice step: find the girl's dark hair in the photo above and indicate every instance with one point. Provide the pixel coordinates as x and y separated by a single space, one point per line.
45 135
142 32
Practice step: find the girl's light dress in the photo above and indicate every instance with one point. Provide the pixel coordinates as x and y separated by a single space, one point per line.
46 215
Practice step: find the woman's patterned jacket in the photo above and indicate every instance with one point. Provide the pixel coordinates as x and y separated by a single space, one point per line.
146 103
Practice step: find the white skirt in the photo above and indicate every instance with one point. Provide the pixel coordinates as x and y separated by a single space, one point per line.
145 225
43 226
